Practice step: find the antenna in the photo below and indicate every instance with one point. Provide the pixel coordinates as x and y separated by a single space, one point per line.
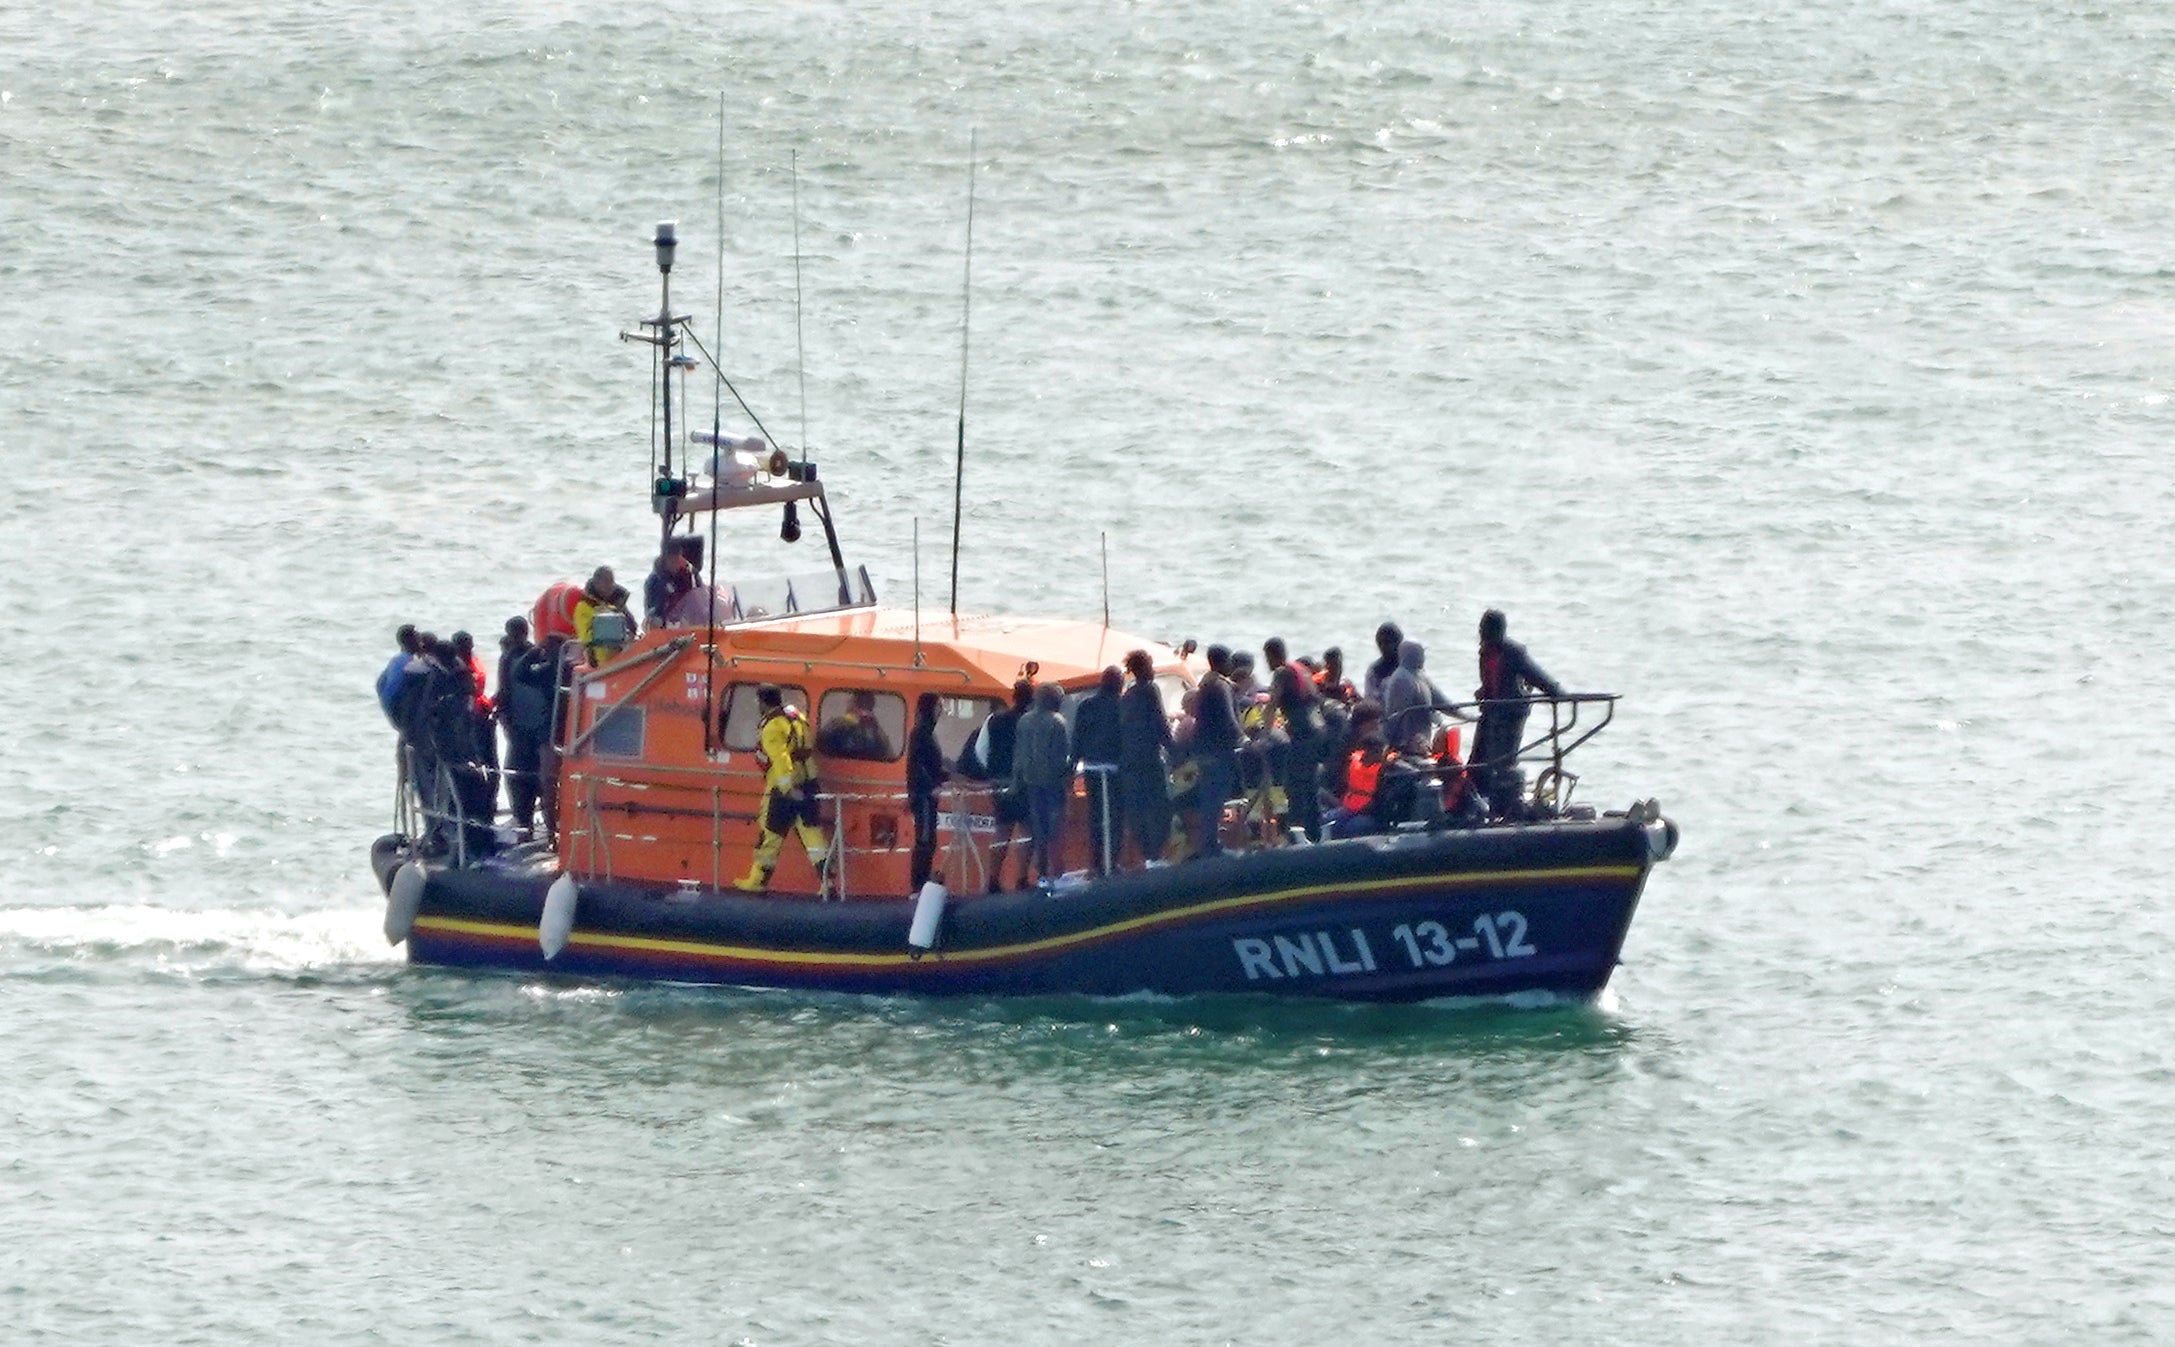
717 410
917 591
800 343
966 296
667 243
1106 579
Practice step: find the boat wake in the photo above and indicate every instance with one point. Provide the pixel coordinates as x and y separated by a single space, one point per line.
58 941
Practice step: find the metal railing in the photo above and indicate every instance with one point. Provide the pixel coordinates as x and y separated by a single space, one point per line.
437 819
417 818
1567 731
590 844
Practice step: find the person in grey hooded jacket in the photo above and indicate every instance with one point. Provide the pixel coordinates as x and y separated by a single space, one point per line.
1042 771
1409 701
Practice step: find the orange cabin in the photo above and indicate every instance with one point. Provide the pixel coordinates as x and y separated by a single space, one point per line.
658 779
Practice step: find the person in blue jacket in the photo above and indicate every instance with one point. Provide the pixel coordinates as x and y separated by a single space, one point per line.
395 669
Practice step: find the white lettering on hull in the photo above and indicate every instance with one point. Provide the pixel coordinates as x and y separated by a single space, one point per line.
1348 953
1308 954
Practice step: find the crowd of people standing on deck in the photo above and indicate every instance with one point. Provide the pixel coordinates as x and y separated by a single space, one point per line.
1306 755
436 695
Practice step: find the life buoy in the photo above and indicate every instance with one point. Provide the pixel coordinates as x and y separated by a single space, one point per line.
554 612
1449 746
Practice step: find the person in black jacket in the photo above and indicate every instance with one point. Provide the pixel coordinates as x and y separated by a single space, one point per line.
1095 748
993 763
1144 742
925 776
438 717
1507 676
511 647
526 692
1296 701
547 670
1215 741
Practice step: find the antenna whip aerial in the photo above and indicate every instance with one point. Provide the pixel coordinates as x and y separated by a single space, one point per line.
966 297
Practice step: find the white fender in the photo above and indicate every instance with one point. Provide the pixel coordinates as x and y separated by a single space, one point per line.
928 911
558 923
1661 834
403 900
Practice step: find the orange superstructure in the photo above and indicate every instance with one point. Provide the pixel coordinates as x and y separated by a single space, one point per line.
657 778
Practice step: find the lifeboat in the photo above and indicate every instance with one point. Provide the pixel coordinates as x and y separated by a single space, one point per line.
653 791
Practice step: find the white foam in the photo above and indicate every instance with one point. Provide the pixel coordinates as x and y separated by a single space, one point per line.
256 940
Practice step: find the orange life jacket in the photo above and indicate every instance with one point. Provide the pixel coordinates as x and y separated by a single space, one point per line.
483 699
1360 779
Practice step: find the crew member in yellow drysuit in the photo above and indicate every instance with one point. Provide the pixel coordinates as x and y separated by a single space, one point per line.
784 749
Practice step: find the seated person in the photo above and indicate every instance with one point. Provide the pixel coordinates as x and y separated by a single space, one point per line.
603 594
855 733
668 582
1362 808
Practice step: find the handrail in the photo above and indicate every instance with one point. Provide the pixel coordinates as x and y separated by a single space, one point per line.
962 826
1563 720
1108 771
671 647
835 878
1534 699
629 779
592 832
666 653
811 665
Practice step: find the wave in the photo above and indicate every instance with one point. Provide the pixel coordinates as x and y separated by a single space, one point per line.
191 942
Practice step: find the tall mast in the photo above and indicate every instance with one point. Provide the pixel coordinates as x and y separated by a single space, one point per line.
667 337
966 303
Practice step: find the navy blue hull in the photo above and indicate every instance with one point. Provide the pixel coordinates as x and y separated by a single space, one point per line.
1491 912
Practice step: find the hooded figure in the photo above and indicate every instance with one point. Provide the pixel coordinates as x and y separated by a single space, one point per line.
1042 770
1388 640
1409 699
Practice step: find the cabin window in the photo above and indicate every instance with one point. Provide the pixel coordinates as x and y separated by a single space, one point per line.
740 719
862 724
619 734
962 717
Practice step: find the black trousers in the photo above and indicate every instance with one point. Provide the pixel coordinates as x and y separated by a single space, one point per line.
1144 804
924 807
1303 791
486 736
1495 756
524 758
1219 782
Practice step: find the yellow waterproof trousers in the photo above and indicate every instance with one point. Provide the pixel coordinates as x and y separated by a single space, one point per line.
785 812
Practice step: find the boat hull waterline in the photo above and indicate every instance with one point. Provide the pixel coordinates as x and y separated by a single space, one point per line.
1410 917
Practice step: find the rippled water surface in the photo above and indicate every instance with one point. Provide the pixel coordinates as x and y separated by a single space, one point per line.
1799 372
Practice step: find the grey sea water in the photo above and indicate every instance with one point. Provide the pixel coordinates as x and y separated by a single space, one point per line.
1799 372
